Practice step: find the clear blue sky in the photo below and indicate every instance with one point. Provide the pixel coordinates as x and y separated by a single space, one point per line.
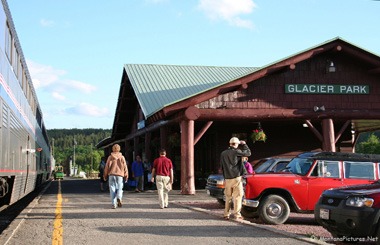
76 49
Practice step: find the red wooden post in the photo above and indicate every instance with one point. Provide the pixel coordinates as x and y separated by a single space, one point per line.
187 157
328 135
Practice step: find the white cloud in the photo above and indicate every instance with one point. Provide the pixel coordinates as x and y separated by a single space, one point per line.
51 79
47 23
62 96
78 86
43 75
58 96
242 23
228 10
86 109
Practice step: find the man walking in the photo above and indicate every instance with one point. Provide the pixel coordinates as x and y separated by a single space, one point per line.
138 174
102 165
163 171
233 169
116 171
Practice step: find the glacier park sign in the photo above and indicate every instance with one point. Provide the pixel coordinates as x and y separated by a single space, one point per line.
326 89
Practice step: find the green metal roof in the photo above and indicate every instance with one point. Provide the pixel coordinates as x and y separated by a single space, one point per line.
158 86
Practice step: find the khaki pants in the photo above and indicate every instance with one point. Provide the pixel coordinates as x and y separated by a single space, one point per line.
163 188
234 193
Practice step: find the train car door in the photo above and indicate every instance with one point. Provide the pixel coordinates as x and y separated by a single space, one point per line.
28 157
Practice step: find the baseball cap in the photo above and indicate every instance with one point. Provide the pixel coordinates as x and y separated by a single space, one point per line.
234 140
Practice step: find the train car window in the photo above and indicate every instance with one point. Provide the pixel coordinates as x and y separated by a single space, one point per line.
14 58
8 43
24 82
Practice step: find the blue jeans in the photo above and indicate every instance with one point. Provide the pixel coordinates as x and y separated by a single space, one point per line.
116 188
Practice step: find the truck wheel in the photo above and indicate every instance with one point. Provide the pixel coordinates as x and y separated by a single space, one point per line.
249 212
274 210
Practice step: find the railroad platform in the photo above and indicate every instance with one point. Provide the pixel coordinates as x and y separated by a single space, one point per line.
74 211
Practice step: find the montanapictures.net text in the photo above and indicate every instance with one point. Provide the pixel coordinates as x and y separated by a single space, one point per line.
326 89
349 239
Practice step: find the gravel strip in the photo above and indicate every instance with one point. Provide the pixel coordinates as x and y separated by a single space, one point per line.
300 226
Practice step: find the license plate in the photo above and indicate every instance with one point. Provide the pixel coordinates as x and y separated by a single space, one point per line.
324 213
208 192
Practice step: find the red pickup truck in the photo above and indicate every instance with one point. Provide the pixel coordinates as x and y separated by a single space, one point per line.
272 196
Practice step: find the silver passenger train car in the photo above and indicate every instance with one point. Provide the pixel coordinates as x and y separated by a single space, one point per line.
25 155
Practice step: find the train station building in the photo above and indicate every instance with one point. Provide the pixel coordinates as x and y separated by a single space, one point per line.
319 99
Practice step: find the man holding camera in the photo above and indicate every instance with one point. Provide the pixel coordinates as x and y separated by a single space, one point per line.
233 169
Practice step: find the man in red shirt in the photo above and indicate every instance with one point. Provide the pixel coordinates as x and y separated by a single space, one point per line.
163 171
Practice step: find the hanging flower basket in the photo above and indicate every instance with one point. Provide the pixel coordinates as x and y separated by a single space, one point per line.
258 135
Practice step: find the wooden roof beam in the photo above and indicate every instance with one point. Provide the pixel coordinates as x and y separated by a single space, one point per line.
365 56
202 132
367 129
233 88
314 130
374 71
275 114
341 131
291 62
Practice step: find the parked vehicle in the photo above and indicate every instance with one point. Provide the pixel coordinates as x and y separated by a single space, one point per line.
351 213
215 182
58 172
272 196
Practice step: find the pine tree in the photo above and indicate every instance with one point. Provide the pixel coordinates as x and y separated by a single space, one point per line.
87 157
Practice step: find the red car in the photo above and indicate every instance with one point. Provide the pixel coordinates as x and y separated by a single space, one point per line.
272 196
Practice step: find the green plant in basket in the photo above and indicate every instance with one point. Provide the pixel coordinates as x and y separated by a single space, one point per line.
258 135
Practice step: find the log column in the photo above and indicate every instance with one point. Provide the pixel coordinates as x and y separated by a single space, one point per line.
187 157
328 135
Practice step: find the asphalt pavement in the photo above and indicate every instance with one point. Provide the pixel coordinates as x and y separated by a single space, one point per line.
74 211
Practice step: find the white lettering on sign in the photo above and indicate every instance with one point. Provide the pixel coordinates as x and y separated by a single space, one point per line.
326 89
355 89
